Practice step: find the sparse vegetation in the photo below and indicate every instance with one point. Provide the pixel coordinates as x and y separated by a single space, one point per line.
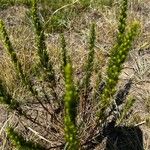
56 101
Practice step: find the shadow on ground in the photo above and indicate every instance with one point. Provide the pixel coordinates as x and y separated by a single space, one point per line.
125 138
118 137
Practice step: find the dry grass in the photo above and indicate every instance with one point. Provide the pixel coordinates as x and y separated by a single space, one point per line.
137 66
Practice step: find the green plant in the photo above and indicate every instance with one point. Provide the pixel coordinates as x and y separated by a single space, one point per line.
118 56
20 143
106 2
5 4
85 3
68 109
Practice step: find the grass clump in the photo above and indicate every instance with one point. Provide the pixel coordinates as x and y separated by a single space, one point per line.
68 109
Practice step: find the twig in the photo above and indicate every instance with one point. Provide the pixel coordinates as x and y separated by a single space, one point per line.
139 124
40 136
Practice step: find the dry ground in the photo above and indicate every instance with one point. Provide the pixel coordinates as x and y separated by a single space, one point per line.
136 67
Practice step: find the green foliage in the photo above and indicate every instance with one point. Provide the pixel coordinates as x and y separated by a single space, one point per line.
106 2
54 5
70 101
45 62
58 22
5 3
88 68
115 67
117 58
12 52
125 110
20 143
90 60
72 97
85 3
57 16
122 21
64 54
70 110
6 98
14 58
